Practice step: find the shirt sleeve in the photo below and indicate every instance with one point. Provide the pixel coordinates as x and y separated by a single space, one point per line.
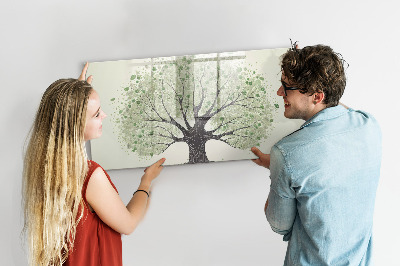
281 210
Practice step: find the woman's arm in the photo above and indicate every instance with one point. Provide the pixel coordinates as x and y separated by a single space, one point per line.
108 205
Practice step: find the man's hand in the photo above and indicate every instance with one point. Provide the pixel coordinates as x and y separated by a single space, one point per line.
263 159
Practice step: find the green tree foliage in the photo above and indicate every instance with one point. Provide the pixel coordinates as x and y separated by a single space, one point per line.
193 100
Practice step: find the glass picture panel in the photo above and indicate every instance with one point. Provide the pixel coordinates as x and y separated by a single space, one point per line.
189 109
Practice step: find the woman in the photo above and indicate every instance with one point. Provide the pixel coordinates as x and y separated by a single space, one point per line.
73 213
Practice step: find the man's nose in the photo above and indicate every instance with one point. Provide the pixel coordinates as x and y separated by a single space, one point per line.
280 91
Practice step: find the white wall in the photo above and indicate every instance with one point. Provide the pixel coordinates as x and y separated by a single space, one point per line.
200 214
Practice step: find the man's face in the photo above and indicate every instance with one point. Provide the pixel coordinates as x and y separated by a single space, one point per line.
297 104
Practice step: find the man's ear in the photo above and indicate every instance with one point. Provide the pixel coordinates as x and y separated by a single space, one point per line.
318 97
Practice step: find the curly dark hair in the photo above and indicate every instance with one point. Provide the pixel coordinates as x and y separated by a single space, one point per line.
316 69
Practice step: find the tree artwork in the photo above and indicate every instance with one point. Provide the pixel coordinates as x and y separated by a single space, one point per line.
193 99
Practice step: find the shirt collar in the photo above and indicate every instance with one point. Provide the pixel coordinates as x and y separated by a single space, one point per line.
326 114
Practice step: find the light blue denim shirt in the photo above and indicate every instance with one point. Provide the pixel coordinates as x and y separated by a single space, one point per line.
324 178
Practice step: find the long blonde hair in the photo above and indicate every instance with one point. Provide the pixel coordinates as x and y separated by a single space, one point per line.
55 167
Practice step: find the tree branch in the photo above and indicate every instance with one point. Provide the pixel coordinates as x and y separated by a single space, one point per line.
173 121
168 144
196 108
219 88
218 137
181 104
154 108
224 123
172 136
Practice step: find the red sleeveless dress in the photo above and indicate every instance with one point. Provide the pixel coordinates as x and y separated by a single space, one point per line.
95 242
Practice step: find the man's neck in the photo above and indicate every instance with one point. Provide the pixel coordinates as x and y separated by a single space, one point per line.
318 108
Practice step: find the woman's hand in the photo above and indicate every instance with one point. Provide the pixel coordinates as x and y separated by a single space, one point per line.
151 172
263 159
83 74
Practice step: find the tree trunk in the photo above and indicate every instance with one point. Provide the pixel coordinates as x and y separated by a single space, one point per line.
197 152
196 139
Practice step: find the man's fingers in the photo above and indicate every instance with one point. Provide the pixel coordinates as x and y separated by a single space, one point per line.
257 161
256 151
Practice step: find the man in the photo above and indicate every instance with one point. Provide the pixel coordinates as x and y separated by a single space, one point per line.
323 176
